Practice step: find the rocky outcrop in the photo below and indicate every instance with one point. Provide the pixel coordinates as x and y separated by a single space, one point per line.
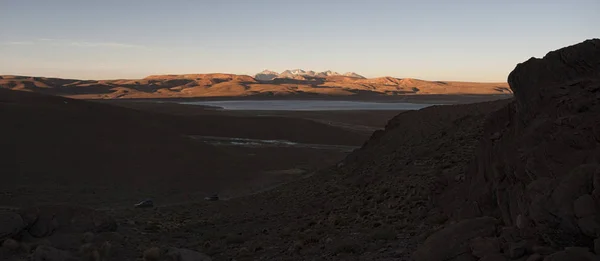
539 84
537 168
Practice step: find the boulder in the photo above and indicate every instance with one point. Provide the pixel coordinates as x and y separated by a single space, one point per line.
570 188
596 178
151 254
517 250
65 241
535 257
590 226
46 253
581 251
454 240
482 246
11 244
494 257
585 206
543 250
182 254
522 222
10 224
67 218
572 254
43 226
464 257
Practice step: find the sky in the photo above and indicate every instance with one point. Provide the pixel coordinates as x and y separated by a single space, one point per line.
468 40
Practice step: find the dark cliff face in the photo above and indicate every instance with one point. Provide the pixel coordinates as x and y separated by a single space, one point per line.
539 83
540 154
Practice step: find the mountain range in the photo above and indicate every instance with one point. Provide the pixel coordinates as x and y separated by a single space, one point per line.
300 74
232 85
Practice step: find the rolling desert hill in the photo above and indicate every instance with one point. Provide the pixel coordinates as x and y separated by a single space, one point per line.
230 85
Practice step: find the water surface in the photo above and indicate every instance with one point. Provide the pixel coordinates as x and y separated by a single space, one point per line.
257 143
309 105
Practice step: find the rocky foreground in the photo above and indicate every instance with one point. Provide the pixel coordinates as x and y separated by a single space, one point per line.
513 179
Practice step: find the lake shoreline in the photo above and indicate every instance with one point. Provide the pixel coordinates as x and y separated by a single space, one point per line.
307 105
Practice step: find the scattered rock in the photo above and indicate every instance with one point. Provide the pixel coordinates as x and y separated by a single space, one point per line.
11 244
596 195
495 136
147 203
46 253
88 237
596 178
517 250
10 224
543 250
494 257
510 235
581 251
65 241
585 206
181 254
522 222
92 255
535 257
454 239
105 250
464 257
29 215
213 197
112 237
573 254
44 226
482 246
590 226
152 254
68 218
25 247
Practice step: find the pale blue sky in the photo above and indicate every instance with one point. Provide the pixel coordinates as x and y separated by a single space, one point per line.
477 40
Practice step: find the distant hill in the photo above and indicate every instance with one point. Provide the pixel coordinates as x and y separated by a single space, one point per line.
295 83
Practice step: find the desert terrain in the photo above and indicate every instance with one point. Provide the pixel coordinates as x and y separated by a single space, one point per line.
221 86
497 179
146 145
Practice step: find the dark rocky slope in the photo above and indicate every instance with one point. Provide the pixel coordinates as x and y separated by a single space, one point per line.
537 168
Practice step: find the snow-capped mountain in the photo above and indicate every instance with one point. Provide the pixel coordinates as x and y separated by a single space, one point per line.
298 72
355 75
330 73
267 75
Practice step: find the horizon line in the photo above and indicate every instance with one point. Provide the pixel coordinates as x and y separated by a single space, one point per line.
253 76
